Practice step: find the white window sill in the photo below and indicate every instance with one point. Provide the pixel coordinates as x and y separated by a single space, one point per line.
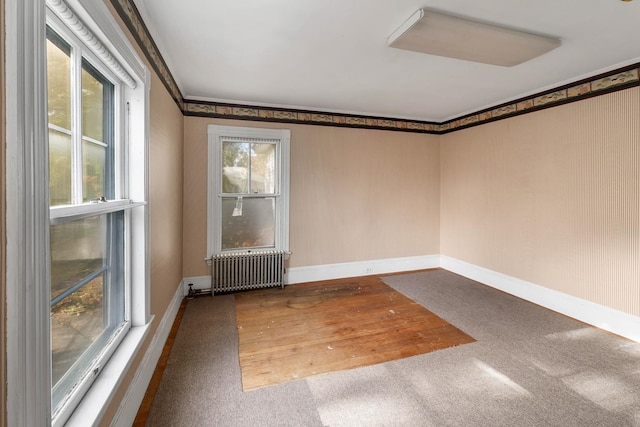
92 407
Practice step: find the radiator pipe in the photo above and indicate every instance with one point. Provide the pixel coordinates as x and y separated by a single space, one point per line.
196 293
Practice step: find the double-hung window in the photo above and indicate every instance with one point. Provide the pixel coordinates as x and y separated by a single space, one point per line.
94 200
87 229
248 189
77 271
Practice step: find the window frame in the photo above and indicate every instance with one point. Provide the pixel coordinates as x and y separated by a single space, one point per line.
72 386
28 215
216 136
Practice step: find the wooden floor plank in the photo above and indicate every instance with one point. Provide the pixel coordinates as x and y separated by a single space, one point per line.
316 328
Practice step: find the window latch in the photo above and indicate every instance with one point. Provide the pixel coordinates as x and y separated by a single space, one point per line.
98 199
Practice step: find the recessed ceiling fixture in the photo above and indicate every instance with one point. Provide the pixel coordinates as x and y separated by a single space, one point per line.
442 34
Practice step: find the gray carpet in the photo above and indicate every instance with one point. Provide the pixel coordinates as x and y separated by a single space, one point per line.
529 367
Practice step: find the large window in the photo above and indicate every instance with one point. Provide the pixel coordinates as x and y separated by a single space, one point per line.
77 213
248 189
87 237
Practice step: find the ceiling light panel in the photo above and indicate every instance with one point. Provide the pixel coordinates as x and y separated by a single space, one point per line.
437 33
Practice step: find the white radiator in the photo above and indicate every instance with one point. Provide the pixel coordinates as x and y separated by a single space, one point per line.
235 271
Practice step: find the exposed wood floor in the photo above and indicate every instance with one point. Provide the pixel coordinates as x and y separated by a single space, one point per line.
315 328
347 322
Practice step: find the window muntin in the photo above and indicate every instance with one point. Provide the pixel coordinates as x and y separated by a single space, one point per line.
88 284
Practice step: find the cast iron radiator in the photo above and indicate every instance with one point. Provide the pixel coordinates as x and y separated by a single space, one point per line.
235 271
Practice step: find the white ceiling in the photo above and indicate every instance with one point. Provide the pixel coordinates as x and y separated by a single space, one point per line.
332 55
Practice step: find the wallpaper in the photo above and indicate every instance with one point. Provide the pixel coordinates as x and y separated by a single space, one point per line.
598 85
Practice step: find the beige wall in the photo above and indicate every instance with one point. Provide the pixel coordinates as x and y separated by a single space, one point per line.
165 207
551 197
356 194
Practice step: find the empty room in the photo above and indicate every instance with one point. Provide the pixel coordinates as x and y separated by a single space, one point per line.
297 213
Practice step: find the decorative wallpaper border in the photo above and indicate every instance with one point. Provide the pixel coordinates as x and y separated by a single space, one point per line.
272 114
133 20
611 81
619 79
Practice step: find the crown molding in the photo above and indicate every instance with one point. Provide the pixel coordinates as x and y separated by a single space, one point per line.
72 21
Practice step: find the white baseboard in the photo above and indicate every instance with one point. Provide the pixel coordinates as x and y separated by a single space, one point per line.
361 268
336 271
605 318
199 283
602 317
135 393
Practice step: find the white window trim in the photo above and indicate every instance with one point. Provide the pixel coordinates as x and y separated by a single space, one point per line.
27 216
214 182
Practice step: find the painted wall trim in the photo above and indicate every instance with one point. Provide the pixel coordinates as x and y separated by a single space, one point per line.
314 273
95 402
27 351
614 80
597 315
132 399
602 317
361 268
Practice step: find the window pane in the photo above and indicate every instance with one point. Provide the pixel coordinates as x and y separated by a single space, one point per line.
78 248
76 322
92 105
97 134
248 222
87 296
93 168
263 169
58 82
235 163
59 168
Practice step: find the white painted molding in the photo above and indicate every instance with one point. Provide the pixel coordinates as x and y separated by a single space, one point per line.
27 348
361 268
132 399
87 36
602 317
337 271
597 315
96 15
95 402
216 134
199 283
